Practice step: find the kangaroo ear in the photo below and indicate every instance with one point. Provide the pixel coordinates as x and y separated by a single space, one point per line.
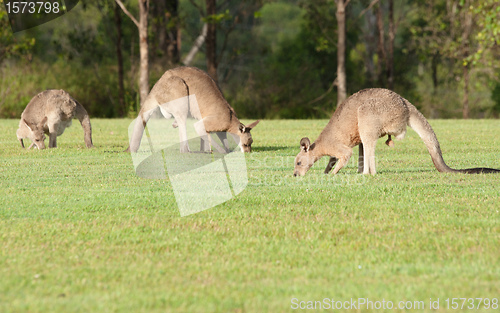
27 124
249 127
44 120
242 128
305 144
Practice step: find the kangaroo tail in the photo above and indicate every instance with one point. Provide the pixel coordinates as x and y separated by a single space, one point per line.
84 119
420 125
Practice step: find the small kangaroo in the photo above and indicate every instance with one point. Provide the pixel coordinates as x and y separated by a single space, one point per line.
360 120
50 112
214 113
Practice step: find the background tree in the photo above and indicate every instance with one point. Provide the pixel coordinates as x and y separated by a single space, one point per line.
449 31
341 46
119 59
142 26
9 44
165 22
213 17
386 51
274 59
211 40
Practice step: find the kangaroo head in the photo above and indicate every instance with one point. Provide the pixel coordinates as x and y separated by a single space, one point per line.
245 136
305 159
36 133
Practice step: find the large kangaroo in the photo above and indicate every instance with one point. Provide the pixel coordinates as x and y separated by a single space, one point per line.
172 93
50 112
362 119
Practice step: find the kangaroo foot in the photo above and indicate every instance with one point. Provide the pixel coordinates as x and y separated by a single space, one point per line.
389 142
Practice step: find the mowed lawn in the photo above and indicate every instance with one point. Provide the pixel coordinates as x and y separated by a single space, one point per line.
80 232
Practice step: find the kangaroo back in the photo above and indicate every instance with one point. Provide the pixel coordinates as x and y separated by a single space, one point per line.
210 99
422 127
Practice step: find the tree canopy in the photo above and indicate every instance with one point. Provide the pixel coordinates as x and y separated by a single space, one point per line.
272 59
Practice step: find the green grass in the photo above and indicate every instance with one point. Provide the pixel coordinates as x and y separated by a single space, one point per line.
80 232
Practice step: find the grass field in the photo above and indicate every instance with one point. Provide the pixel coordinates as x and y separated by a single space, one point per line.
80 232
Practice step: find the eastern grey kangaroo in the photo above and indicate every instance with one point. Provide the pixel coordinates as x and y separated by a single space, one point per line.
362 119
172 93
50 112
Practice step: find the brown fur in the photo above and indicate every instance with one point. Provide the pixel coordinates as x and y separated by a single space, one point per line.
214 112
51 112
362 119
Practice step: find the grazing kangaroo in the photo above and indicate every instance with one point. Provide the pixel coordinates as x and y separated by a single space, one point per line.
172 93
362 119
50 112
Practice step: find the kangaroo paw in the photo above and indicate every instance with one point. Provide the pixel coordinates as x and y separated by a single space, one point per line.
389 142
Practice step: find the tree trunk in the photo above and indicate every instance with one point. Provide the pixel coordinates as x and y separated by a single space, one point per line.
341 46
159 42
434 67
166 28
435 84
173 32
142 25
196 46
390 57
211 40
143 50
465 109
119 57
382 56
467 23
370 41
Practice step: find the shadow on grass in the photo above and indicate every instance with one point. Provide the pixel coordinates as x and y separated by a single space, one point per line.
271 148
409 170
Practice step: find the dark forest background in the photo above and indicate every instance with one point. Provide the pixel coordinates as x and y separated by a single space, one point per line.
272 59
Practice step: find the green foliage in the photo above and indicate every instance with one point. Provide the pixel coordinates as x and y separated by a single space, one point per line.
282 78
278 22
487 13
10 45
218 18
495 96
277 59
77 54
293 69
79 228
78 80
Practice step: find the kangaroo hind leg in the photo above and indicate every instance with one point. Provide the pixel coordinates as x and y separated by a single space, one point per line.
53 130
369 156
369 131
369 136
